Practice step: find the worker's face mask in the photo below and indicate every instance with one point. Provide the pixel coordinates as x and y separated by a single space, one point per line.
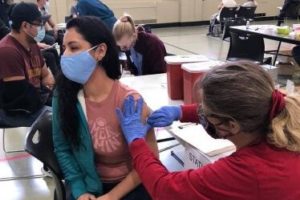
40 32
78 67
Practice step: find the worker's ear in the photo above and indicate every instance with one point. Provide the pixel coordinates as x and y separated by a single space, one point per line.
234 127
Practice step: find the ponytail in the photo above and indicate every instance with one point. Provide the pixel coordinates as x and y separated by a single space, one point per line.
124 26
286 125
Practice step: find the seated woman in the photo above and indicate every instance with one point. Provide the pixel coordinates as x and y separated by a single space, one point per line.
145 52
87 136
240 102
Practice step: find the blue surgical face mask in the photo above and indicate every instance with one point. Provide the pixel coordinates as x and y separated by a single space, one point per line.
78 67
41 34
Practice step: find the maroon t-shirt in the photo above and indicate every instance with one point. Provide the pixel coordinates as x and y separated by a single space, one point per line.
16 60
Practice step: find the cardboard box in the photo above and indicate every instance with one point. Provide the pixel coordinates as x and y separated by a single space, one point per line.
175 74
200 148
192 72
272 70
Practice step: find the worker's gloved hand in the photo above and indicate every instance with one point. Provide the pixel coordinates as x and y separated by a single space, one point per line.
131 120
164 116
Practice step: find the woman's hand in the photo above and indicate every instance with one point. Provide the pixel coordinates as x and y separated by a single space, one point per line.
87 196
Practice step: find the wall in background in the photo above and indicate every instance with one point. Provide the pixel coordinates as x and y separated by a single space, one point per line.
162 11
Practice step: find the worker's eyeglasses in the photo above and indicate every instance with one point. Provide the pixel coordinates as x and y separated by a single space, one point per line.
212 127
205 122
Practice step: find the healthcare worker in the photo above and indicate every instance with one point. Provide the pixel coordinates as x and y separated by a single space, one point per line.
263 124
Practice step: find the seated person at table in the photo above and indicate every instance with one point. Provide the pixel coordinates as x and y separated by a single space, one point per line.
87 136
145 52
5 7
50 35
259 120
25 81
216 17
95 8
4 30
284 10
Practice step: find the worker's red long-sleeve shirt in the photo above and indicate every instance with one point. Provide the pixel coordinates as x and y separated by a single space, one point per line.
257 172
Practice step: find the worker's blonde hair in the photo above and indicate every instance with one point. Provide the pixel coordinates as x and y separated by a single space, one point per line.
124 26
286 126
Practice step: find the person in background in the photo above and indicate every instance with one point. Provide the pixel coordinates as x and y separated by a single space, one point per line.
51 32
95 8
263 124
145 52
4 30
5 8
25 81
284 10
87 136
227 3
250 3
216 17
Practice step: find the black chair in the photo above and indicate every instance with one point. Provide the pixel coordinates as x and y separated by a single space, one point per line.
16 123
39 144
235 22
249 47
246 13
243 14
227 15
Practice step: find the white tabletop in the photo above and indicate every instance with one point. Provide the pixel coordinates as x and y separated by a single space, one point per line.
153 88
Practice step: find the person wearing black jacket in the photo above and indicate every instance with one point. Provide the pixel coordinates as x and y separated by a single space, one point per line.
284 10
5 7
4 30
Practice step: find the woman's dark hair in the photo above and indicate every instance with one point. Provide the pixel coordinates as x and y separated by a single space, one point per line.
95 32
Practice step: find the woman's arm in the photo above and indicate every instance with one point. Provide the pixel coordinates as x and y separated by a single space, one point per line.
65 157
132 180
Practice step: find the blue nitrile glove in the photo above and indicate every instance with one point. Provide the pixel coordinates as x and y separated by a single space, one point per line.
164 116
130 119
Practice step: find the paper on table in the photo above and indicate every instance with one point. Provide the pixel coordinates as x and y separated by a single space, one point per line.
196 136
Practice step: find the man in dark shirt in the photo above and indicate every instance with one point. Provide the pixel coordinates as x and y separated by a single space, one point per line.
24 76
